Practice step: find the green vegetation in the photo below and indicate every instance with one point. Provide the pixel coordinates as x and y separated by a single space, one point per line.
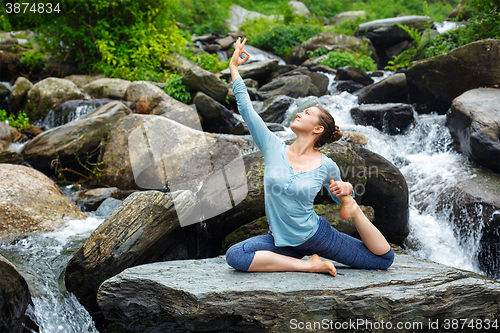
175 89
337 59
32 60
20 122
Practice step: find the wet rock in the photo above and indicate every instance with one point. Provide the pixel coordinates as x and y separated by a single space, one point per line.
107 88
242 128
191 295
5 90
473 120
387 192
31 202
16 305
143 229
354 74
386 31
191 154
390 90
274 109
49 93
314 61
9 65
328 41
299 8
198 79
75 139
323 68
348 85
7 135
472 205
216 117
107 207
293 86
391 118
251 83
17 98
255 70
91 199
320 81
434 82
11 157
72 110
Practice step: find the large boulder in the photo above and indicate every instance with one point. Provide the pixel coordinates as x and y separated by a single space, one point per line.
16 306
82 80
199 79
473 120
47 94
107 88
17 97
7 135
180 296
9 65
460 13
389 90
329 41
433 83
31 202
150 99
386 31
173 155
216 117
472 205
293 86
354 74
74 140
143 229
319 80
386 191
391 118
255 70
274 109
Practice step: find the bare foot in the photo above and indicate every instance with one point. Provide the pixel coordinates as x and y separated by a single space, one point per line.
349 207
320 266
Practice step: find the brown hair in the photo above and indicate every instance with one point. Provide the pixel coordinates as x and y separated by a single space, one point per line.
331 132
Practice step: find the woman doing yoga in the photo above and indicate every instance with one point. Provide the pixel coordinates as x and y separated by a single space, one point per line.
292 178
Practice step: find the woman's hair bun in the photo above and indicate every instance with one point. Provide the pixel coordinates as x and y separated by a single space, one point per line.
335 136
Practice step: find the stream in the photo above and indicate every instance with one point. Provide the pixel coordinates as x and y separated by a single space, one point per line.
424 154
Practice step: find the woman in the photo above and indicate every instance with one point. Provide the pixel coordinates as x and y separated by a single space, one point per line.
293 176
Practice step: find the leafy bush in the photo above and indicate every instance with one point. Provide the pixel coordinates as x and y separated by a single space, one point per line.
20 122
338 59
278 37
203 16
32 60
175 89
120 38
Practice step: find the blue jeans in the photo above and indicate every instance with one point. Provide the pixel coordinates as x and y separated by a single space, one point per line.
327 242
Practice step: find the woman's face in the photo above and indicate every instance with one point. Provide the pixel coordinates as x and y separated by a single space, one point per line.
306 121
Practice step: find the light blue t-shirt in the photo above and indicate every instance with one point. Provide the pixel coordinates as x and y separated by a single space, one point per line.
289 196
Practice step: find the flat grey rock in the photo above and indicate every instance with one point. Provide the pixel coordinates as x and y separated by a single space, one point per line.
196 295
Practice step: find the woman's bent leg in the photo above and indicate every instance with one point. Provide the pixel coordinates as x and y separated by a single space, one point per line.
240 255
332 244
259 254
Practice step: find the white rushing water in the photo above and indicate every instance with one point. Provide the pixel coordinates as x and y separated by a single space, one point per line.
41 259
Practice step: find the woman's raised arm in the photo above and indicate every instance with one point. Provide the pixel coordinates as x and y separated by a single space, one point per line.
266 140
